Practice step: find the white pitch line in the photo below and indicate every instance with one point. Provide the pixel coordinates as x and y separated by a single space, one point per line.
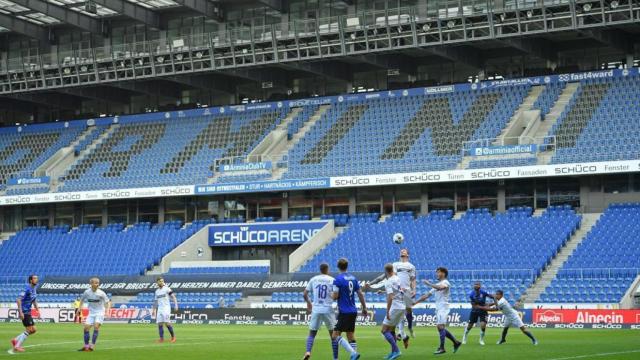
597 355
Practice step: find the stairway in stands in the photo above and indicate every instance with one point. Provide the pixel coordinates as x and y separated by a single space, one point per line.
308 125
538 287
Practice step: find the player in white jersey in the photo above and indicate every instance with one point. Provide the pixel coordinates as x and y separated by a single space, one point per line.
441 293
99 304
406 272
162 309
511 317
395 309
321 308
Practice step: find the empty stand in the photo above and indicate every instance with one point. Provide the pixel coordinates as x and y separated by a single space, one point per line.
118 252
605 263
478 245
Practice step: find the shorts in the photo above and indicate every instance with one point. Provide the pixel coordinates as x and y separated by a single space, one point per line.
478 316
513 321
442 316
28 320
93 319
317 319
396 315
163 317
346 322
408 301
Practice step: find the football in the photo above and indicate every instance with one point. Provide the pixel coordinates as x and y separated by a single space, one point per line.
398 238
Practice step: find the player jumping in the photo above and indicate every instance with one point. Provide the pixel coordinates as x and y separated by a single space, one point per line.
162 309
511 317
440 292
99 304
406 272
26 301
321 309
478 297
345 287
396 308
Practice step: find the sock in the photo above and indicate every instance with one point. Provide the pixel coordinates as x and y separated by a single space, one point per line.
334 347
310 339
391 340
410 320
450 336
170 328
466 332
161 331
354 345
504 334
94 338
345 345
482 334
530 335
401 329
21 338
442 336
86 338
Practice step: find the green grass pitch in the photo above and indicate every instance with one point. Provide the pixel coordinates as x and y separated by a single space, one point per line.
124 341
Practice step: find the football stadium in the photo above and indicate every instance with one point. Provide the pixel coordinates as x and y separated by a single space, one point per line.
320 179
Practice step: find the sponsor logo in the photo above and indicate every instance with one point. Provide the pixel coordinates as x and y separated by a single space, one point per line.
549 316
587 317
372 96
575 169
568 326
18 200
193 322
439 89
188 315
66 197
421 178
246 167
175 191
490 174
246 322
635 327
274 234
139 321
504 150
606 326
116 194
352 181
275 323
219 322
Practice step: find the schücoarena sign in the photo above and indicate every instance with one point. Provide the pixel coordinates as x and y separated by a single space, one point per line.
277 233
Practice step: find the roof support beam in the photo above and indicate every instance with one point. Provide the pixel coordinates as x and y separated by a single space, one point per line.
539 48
133 11
204 7
148 88
62 13
616 39
25 28
99 94
274 4
51 100
213 82
460 55
334 70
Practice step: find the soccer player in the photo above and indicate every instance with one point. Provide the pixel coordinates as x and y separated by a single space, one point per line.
511 317
76 306
99 305
441 291
162 309
396 308
478 297
345 287
321 309
406 272
26 301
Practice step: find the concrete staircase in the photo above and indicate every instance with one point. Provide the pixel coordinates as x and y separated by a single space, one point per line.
277 173
534 292
544 158
55 183
527 104
337 232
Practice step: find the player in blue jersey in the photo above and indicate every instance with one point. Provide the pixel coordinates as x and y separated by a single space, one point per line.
477 296
345 287
26 301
